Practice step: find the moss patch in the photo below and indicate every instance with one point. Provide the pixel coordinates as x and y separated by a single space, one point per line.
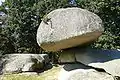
50 74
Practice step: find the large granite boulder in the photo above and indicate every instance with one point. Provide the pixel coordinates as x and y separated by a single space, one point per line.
15 63
81 72
108 60
69 27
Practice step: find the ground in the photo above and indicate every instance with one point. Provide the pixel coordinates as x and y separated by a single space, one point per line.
50 74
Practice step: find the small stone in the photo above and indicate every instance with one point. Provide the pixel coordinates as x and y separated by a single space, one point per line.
66 57
28 73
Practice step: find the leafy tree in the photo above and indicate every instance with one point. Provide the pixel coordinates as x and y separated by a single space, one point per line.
23 19
109 12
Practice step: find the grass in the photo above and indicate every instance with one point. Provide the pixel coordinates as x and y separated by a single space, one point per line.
22 77
46 75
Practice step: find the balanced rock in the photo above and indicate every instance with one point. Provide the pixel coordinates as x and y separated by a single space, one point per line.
15 63
69 27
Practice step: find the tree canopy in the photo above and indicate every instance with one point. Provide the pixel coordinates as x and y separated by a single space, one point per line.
109 12
23 19
24 16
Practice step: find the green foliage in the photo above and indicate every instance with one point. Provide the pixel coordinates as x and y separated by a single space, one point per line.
109 12
23 19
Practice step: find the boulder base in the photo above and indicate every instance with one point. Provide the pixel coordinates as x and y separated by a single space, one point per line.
67 56
81 72
107 60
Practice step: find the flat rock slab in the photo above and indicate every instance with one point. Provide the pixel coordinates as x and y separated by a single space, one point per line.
68 27
81 72
109 60
15 63
91 74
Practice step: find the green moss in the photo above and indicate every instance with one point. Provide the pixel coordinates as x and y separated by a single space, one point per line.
21 77
50 74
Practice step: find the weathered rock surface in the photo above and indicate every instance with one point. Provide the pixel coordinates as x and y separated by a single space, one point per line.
28 73
109 60
91 74
81 72
70 27
15 63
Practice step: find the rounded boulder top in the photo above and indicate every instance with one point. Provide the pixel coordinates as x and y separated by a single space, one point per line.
68 27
